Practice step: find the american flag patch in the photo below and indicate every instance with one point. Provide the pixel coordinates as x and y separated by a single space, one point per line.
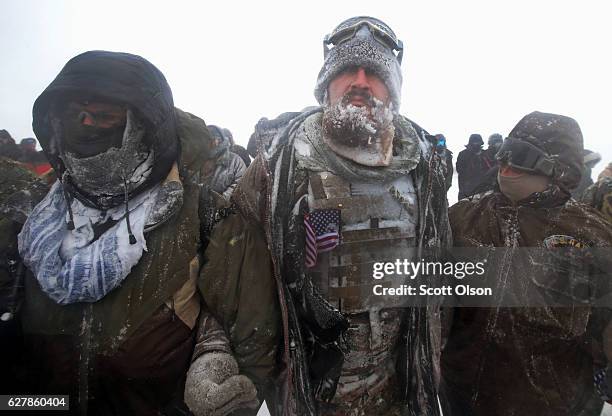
322 233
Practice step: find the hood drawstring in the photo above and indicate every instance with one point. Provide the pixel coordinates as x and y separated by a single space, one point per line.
66 175
127 212
68 199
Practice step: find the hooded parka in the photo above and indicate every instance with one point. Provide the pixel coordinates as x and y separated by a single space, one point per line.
527 361
126 353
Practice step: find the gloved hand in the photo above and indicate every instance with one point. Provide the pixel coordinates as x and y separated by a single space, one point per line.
214 387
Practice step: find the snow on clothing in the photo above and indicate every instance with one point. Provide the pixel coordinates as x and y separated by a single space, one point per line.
229 168
137 346
79 266
265 198
242 152
224 168
599 195
362 50
590 160
136 339
72 265
20 191
128 352
119 78
542 353
531 361
265 130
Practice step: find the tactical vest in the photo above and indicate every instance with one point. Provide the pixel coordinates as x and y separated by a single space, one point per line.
378 224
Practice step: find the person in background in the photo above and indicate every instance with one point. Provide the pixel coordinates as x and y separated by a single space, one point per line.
471 166
20 191
489 179
236 148
599 195
34 160
225 168
590 159
494 143
8 147
448 159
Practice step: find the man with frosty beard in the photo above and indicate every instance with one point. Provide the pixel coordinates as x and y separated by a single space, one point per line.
339 187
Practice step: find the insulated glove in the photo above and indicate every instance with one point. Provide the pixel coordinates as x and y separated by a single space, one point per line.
214 387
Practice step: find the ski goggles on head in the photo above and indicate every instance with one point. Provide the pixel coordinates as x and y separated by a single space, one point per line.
380 32
525 157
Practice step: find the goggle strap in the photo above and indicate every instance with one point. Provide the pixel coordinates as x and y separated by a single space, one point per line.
532 159
545 166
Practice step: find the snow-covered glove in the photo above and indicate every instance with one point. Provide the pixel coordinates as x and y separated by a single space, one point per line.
214 387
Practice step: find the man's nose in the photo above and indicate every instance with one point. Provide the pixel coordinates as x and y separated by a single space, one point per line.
361 79
507 170
86 119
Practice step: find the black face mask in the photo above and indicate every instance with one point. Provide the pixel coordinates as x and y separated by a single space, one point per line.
87 141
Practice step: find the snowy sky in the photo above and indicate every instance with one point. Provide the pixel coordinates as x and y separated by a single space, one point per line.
469 66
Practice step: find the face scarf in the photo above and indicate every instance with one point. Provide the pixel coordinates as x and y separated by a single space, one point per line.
68 265
78 265
87 141
517 188
111 172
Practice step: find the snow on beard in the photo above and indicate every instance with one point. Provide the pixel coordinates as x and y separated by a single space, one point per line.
349 125
361 134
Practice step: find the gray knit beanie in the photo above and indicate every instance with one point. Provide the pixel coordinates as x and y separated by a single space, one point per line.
367 48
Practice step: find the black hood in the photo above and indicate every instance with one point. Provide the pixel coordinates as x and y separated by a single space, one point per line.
561 138
119 77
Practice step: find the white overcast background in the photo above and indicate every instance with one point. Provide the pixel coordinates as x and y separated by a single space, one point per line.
469 66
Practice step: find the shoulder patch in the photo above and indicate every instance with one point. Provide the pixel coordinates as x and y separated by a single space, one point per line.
562 241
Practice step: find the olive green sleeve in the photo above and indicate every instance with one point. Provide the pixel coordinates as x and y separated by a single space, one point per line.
238 287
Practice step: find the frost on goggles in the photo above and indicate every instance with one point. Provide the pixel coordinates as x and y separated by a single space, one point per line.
380 32
524 156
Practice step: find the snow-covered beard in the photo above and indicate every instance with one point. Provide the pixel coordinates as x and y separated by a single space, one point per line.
362 134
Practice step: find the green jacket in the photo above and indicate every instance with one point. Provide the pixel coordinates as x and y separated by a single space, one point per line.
536 361
259 299
128 352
